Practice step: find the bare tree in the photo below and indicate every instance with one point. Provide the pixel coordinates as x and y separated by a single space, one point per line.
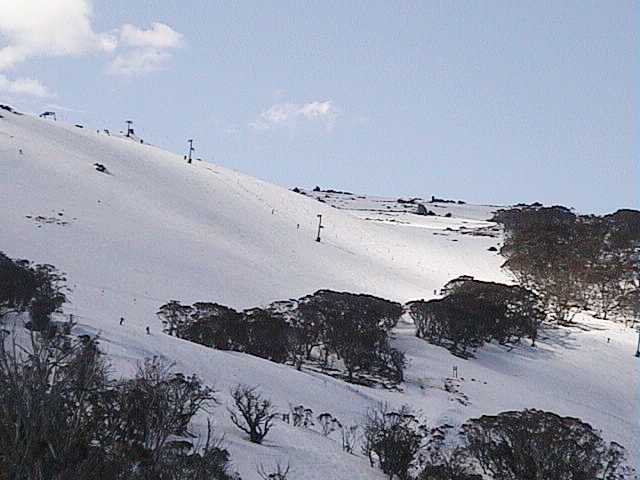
301 416
158 404
349 437
252 413
573 262
278 472
47 390
328 423
393 438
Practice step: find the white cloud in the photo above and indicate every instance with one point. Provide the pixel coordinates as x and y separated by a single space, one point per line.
138 62
48 28
289 114
159 36
23 86
149 49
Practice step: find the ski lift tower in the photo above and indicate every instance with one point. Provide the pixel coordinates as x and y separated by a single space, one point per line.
320 227
191 149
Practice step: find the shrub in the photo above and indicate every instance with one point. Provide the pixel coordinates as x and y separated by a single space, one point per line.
392 439
278 472
251 413
349 436
328 424
537 444
36 289
156 405
61 416
301 416
441 462
527 444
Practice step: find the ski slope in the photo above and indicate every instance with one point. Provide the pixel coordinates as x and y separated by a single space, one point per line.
154 228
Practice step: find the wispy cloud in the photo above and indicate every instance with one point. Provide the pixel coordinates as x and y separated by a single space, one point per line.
147 50
290 114
23 86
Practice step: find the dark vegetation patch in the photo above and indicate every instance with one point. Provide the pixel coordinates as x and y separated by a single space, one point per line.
36 289
473 312
341 333
575 262
9 109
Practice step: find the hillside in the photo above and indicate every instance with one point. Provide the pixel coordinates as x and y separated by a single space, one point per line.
153 228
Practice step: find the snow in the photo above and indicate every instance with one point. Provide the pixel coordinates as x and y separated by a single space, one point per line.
154 229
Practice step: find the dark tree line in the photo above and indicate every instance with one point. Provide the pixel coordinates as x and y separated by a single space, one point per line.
514 445
473 312
35 289
352 328
63 417
575 262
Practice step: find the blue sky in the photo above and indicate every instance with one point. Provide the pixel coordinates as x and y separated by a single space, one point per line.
492 101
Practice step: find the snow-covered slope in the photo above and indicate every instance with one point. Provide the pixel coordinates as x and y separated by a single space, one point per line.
154 228
400 210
